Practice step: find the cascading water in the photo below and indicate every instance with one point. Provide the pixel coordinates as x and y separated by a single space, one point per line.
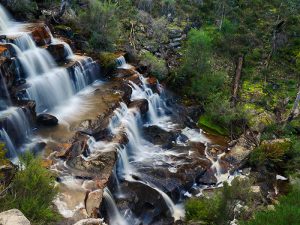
16 129
114 215
4 19
47 84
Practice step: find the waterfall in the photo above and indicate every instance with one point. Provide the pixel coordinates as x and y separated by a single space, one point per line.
4 19
51 89
15 129
121 63
114 215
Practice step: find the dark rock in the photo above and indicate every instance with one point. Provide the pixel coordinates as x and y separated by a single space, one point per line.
208 178
57 51
141 104
159 136
47 120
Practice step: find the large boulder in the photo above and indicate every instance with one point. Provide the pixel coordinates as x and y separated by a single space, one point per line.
141 104
13 217
47 120
57 51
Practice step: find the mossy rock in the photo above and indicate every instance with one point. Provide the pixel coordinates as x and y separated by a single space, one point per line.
108 60
260 121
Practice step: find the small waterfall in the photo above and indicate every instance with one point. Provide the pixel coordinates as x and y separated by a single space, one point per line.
50 89
216 167
116 119
121 63
124 169
12 152
156 107
68 50
114 215
4 19
15 128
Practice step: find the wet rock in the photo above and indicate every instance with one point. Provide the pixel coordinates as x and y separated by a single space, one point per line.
47 120
13 217
208 178
38 147
40 34
141 104
99 163
159 136
64 31
79 146
8 171
57 51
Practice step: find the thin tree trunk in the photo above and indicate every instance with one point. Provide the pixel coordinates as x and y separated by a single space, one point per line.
238 73
295 107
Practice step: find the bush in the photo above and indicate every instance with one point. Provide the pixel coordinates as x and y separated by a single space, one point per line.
286 212
32 191
23 7
271 151
101 23
219 208
157 66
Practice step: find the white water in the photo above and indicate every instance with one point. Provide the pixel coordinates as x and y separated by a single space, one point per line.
48 85
114 215
121 63
4 19
16 131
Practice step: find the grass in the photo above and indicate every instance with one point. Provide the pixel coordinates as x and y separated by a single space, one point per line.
208 124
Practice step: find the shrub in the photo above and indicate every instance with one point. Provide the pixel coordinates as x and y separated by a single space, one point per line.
273 152
32 191
101 23
23 7
108 60
157 66
219 208
286 212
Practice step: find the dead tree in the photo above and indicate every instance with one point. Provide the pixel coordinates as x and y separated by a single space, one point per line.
293 112
236 84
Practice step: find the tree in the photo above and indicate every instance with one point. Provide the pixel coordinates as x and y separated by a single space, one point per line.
101 23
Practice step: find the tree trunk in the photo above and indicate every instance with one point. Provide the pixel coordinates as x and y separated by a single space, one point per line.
238 73
295 107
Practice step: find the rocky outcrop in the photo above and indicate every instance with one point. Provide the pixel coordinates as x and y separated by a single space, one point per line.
13 217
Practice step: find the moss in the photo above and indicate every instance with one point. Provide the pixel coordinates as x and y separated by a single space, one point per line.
108 60
207 123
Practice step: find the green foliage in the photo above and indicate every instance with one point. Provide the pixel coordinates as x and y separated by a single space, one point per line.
23 6
219 209
157 66
286 212
202 210
101 23
108 60
32 191
271 151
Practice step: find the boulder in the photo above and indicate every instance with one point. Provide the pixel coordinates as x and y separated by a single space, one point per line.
57 51
159 136
47 120
13 217
141 104
93 202
90 221
41 34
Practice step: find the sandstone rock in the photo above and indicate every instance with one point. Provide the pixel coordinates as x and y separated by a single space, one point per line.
93 202
47 120
13 217
90 222
40 34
